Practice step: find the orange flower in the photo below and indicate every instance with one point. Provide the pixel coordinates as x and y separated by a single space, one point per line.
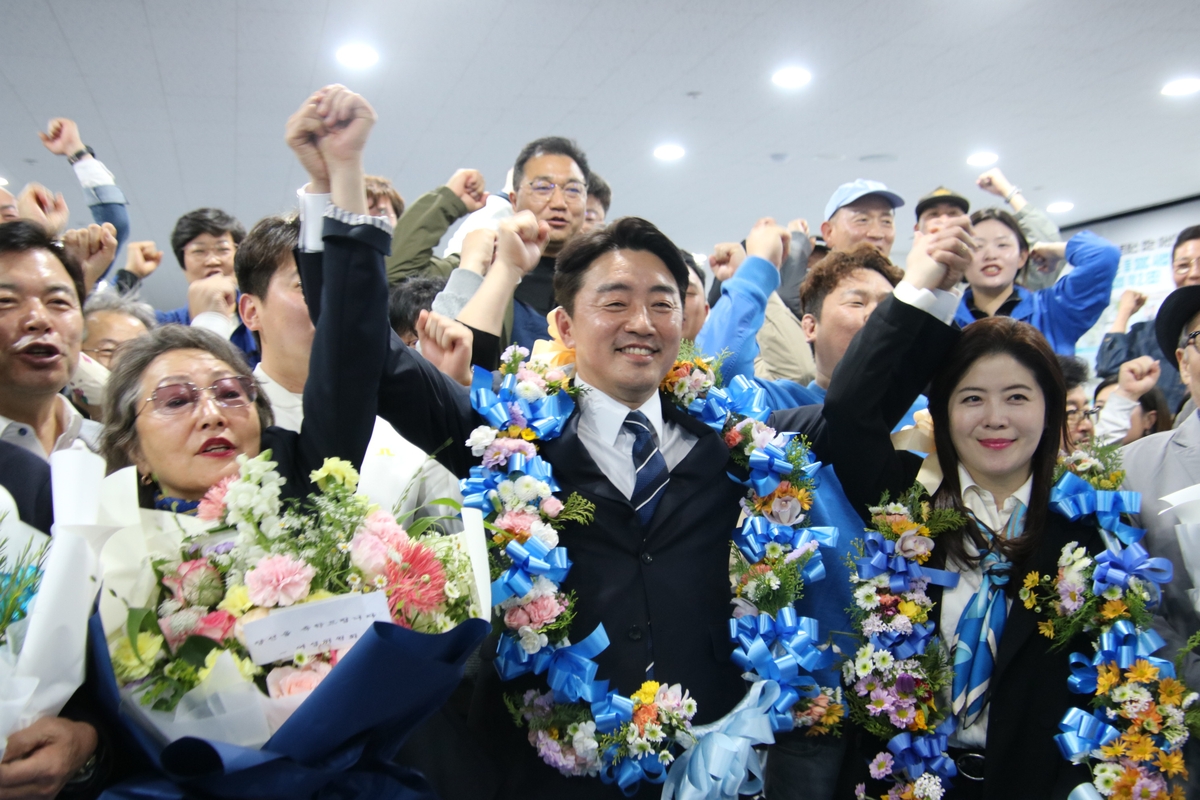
1115 749
1171 764
1170 692
1113 609
1150 719
805 499
1108 677
918 723
644 714
1142 671
1141 748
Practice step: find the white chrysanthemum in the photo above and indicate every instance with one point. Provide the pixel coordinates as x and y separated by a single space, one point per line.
653 732
168 607
480 438
928 787
863 666
530 391
1190 699
772 580
544 533
531 640
526 488
895 508
773 549
866 597
640 748
884 659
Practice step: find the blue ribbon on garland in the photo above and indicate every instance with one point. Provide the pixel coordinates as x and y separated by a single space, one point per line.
612 711
1073 497
757 532
529 560
917 755
545 416
740 397
781 649
1115 568
1082 733
1123 644
571 672
880 558
630 772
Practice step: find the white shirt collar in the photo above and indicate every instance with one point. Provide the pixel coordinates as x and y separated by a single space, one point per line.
982 503
279 396
69 419
608 415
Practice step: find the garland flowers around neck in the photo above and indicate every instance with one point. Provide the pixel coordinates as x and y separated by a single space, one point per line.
896 678
579 725
1144 714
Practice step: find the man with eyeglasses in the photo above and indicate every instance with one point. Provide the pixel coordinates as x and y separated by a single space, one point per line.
1080 416
550 179
1163 463
1124 343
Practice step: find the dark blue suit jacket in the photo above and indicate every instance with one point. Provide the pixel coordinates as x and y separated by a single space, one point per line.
27 478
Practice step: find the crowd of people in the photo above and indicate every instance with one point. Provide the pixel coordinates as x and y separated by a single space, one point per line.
338 331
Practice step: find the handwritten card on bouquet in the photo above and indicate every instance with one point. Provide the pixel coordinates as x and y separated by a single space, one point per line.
315 627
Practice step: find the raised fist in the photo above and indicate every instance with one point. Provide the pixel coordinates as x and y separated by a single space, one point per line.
94 247
62 137
446 344
939 258
38 204
215 293
768 240
478 250
725 259
347 119
520 241
993 181
1130 303
303 130
142 258
468 185
1138 376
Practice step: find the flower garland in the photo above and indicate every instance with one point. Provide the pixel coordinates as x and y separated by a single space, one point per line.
1133 741
260 556
895 678
581 727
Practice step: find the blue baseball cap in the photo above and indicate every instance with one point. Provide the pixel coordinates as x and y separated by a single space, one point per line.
847 193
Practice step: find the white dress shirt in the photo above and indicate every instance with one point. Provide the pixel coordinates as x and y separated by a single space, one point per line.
74 427
982 504
602 431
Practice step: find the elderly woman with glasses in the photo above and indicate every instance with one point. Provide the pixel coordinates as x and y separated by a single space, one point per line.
182 404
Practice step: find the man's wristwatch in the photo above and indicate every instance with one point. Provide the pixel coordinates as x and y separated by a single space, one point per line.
84 773
86 151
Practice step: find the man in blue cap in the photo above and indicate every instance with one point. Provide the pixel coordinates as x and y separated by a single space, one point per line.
861 211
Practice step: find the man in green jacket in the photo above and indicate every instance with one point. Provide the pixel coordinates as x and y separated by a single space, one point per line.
550 179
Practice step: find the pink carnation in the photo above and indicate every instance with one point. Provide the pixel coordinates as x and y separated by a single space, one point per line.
532 377
216 625
536 613
212 505
416 584
516 522
552 507
279 581
370 546
497 452
287 681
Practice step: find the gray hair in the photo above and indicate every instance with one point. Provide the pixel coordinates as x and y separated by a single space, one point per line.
120 304
123 395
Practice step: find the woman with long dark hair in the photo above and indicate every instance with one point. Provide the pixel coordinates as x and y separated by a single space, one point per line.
997 400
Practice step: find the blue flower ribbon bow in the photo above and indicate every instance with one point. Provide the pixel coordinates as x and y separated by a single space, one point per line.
917 755
769 464
529 560
571 672
880 558
545 416
1082 733
1073 497
1115 567
1124 644
784 650
740 397
757 532
479 489
723 763
612 711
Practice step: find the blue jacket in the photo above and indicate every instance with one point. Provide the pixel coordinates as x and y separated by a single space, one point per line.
1117 348
1068 309
732 327
242 337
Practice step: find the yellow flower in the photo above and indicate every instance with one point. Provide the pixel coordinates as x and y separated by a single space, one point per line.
245 666
1046 629
908 608
319 594
1114 750
647 693
236 601
1170 692
1113 609
528 434
805 499
1031 580
335 472
130 666
1142 672
1108 677
1141 748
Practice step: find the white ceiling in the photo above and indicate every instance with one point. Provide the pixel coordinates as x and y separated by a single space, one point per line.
186 101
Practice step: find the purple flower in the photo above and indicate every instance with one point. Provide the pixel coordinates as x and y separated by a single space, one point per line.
218 549
881 766
1071 595
881 701
515 416
860 791
905 683
902 715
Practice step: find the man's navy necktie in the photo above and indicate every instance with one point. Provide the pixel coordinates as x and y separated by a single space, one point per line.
652 475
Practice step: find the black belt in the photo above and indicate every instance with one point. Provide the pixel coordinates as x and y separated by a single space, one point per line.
970 763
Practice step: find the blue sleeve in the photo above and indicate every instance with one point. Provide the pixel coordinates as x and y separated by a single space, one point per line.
1075 303
782 394
108 204
735 320
1115 350
177 316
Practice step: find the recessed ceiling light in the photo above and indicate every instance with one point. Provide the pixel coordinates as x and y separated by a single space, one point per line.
1180 87
3 181
791 78
357 55
668 152
1061 207
982 159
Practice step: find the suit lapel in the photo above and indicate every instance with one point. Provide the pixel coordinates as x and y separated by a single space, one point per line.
703 466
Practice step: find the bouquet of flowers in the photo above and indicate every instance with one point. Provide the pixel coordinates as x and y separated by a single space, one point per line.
47 588
893 682
235 629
